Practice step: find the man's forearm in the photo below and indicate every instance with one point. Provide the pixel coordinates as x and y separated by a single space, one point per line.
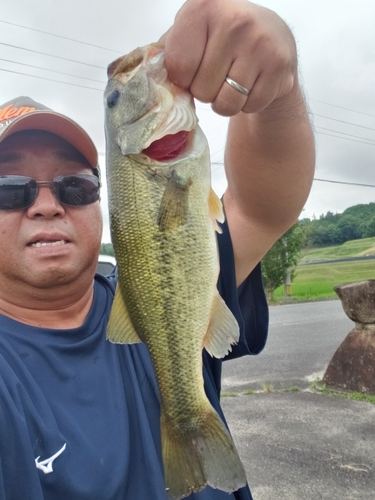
270 159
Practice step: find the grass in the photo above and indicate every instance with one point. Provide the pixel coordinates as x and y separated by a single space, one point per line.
317 386
316 281
267 388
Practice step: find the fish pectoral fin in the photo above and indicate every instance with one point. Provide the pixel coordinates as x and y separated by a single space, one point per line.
120 329
223 330
215 208
173 211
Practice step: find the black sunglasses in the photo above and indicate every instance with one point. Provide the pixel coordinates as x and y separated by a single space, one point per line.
18 192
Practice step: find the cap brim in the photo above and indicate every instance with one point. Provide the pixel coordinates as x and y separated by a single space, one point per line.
56 124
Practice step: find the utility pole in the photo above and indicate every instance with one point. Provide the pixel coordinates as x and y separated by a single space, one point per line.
288 285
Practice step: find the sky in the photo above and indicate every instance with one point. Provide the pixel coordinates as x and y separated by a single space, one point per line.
336 46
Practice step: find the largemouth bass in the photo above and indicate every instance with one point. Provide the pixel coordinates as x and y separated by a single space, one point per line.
163 218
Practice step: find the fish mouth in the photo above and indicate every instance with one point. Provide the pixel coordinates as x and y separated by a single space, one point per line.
168 147
175 132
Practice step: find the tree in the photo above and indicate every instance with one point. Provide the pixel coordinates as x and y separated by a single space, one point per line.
367 228
282 258
334 228
348 228
323 235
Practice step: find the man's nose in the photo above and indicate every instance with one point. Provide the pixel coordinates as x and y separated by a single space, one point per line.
46 204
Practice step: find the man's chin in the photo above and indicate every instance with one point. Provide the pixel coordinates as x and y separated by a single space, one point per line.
59 275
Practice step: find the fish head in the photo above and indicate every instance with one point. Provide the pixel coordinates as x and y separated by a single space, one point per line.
142 106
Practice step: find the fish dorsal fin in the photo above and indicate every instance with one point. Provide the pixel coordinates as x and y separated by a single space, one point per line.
174 207
215 209
223 330
120 329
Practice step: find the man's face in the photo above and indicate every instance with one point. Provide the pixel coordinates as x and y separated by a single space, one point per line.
47 244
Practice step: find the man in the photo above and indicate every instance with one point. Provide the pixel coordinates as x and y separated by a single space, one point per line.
79 416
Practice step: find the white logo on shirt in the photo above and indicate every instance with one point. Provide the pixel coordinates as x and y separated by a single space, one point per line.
46 465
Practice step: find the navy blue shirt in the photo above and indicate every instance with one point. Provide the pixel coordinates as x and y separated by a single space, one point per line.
94 405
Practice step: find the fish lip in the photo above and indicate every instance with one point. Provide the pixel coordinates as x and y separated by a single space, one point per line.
47 238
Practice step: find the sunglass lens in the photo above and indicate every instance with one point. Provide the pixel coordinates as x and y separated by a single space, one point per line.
77 190
17 192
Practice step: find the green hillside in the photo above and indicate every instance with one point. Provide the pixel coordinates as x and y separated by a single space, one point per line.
316 281
352 248
354 223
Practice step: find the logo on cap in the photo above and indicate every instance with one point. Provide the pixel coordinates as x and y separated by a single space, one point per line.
11 111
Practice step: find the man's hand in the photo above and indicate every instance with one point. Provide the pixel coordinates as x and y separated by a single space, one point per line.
213 39
269 155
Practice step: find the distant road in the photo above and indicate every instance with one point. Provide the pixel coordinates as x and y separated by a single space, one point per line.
302 339
346 259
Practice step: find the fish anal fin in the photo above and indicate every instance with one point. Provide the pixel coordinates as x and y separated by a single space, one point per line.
200 454
223 330
173 211
120 329
215 209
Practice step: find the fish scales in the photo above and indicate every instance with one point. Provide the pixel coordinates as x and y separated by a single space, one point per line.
180 309
162 216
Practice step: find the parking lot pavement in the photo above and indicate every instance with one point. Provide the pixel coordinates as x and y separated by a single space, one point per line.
304 446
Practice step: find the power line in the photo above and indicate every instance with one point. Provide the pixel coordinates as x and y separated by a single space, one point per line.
218 151
60 36
221 164
51 55
50 79
347 139
347 183
316 179
51 70
365 141
120 52
342 121
342 107
370 142
350 135
102 68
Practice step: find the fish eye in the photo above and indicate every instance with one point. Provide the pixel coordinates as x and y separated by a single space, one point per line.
112 98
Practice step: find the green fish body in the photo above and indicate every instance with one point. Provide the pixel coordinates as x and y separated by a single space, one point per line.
163 217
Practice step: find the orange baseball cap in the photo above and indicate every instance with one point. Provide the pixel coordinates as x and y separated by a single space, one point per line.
23 113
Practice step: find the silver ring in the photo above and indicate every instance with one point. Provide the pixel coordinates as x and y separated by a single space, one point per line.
237 86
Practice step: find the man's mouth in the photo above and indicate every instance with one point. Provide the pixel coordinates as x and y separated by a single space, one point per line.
47 243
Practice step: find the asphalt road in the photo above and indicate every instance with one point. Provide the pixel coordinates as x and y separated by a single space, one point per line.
300 445
301 341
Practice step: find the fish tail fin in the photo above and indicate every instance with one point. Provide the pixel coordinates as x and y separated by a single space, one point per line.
202 455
